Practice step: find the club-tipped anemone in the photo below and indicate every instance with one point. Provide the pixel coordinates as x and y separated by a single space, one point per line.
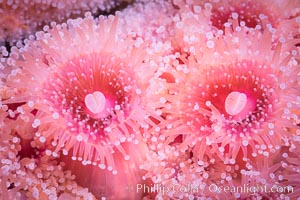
23 177
290 165
163 89
260 177
269 175
38 179
175 174
102 183
238 94
252 14
18 125
19 19
172 173
150 20
84 80
189 20
214 18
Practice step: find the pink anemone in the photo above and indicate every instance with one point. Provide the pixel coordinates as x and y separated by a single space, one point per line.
19 19
237 94
150 20
83 80
218 17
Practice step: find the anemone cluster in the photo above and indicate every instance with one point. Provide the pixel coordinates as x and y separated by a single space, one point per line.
159 99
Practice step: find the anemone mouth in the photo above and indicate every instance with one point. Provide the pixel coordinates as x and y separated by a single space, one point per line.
89 92
240 98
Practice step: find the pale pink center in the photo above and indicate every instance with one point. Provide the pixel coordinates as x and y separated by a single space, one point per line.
235 103
95 102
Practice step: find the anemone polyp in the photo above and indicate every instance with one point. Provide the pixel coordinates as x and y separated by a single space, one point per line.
250 13
88 97
240 100
253 102
19 19
214 18
73 92
255 14
237 94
